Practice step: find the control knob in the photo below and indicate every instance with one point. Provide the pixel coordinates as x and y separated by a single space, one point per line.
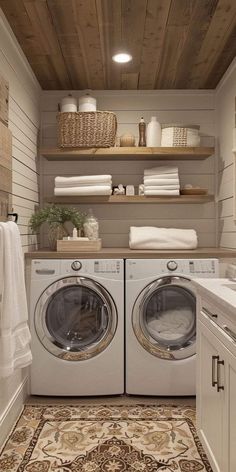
172 265
76 265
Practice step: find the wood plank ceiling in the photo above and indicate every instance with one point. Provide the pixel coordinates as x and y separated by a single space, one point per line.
175 44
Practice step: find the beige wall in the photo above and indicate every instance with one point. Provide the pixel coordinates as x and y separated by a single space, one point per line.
24 119
177 106
225 112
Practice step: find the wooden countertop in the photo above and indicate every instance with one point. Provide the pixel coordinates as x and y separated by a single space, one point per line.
126 253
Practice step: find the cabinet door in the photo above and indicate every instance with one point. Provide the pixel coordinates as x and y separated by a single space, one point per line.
209 400
229 445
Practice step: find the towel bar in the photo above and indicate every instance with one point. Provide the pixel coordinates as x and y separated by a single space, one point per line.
15 215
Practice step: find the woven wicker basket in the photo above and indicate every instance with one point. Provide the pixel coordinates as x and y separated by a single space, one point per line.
87 129
175 135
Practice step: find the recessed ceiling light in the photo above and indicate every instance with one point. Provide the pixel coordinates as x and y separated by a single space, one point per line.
122 57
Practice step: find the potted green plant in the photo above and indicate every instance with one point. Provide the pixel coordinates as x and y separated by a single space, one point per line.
56 218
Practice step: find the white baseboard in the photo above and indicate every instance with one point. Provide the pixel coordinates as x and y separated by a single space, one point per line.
13 410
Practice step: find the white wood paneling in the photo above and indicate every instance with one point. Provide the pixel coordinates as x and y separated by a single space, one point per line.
24 120
225 112
179 107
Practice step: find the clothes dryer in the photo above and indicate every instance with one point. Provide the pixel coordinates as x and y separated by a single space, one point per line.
77 327
161 324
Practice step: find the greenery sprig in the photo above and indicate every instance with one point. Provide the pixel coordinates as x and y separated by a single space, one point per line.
55 216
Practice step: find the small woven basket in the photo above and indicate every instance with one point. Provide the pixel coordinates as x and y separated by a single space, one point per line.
174 135
87 129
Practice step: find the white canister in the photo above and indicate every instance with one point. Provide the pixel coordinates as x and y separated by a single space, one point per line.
153 135
87 103
68 104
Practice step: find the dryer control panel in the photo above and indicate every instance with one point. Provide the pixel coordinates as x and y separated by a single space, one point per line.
141 268
106 267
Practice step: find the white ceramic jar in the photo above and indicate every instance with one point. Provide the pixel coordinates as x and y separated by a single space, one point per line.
68 104
87 103
153 133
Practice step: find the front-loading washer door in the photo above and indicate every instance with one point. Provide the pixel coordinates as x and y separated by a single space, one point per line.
164 318
75 318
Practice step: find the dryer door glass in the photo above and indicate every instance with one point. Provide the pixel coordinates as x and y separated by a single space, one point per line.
166 323
77 321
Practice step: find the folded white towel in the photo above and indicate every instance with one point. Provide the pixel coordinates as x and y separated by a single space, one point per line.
14 332
149 237
161 187
161 170
161 182
161 192
88 190
82 179
162 176
87 184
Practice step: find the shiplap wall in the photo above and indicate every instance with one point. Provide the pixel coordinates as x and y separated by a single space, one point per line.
225 112
24 119
179 107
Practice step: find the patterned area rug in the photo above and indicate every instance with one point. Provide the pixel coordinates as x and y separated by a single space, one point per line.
136 438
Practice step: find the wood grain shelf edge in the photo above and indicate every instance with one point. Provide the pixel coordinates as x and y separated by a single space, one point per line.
119 199
128 153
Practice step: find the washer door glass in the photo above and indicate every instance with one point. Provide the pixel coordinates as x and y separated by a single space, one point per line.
75 318
164 318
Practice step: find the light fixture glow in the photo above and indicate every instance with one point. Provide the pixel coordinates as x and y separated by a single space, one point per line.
122 57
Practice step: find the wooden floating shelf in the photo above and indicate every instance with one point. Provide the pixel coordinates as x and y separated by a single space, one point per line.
129 199
128 153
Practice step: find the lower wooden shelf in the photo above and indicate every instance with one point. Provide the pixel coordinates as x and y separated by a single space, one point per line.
129 199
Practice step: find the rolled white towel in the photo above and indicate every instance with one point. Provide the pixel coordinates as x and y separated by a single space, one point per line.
161 170
90 190
161 192
160 182
150 237
75 181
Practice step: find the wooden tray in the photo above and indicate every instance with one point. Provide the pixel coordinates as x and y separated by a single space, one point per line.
81 246
193 191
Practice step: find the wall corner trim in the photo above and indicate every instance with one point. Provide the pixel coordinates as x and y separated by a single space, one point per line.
11 413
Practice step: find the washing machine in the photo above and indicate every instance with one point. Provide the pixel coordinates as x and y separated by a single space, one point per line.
77 327
161 324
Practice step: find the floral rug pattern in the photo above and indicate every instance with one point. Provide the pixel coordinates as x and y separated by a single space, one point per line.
136 438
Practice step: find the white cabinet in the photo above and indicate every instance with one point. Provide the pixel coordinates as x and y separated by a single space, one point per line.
216 386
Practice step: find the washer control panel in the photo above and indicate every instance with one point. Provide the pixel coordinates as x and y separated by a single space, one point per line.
106 267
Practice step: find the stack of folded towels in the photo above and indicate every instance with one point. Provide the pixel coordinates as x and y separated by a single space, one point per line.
83 185
162 180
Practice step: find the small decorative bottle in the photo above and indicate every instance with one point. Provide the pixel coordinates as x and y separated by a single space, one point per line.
142 132
153 133
91 226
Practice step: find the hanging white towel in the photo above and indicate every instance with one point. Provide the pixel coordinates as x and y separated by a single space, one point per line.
150 237
14 332
88 190
75 181
161 170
